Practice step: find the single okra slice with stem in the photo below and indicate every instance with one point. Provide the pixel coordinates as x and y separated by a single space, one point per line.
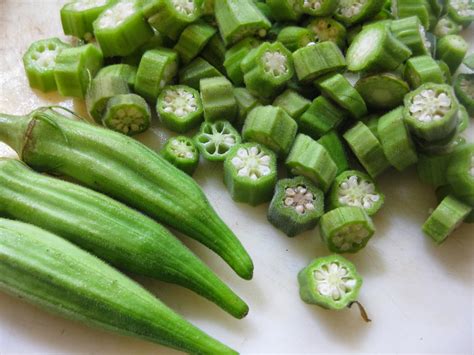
128 114
460 173
346 229
310 159
75 67
449 214
382 91
446 26
121 29
234 56
218 101
246 102
335 147
355 188
78 16
431 111
198 69
182 153
101 90
432 168
172 16
216 139
292 103
214 52
318 7
461 11
272 127
339 89
411 32
238 19
267 69
123 71
285 10
328 29
451 49
294 37
375 48
39 62
423 69
179 108
367 148
193 39
250 173
408 8
156 70
296 206
464 89
317 59
352 12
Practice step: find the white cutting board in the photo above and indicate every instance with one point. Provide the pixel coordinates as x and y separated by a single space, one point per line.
419 296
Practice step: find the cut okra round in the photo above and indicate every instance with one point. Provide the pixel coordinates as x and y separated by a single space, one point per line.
431 111
310 159
179 108
318 7
445 190
461 11
294 37
464 89
193 39
216 139
218 101
198 69
451 49
182 153
408 8
128 114
121 29
331 282
356 189
446 26
101 90
250 173
246 102
346 229
272 127
328 29
351 12
411 32
382 91
460 173
39 61
234 56
292 103
334 146
423 69
296 206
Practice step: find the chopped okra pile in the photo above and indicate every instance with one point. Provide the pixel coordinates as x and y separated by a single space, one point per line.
334 93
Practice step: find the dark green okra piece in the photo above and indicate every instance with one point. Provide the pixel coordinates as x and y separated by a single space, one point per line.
451 49
198 69
411 32
423 69
328 29
39 62
285 10
292 103
192 40
246 102
294 37
214 52
234 56
460 173
352 12
101 90
250 173
182 153
464 89
123 71
216 139
355 188
382 91
296 206
218 101
331 282
461 11
334 146
346 229
310 159
179 108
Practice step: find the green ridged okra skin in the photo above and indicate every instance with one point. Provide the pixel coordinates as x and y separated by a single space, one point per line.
109 230
54 274
126 170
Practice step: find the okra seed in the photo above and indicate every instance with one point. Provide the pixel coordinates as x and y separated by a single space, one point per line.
180 102
181 149
275 63
299 198
312 4
353 192
428 106
45 59
349 8
464 8
83 5
333 281
251 163
186 7
117 14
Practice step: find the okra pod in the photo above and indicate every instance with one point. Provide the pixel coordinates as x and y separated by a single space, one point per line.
128 114
451 49
382 91
216 139
182 153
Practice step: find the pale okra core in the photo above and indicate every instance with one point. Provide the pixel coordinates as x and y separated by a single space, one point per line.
252 163
464 8
428 106
128 119
117 14
45 56
347 236
333 280
349 8
218 141
186 7
275 63
181 149
364 46
422 31
83 5
312 4
299 198
180 102
353 192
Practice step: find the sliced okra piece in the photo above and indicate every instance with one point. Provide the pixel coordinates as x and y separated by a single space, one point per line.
464 89
411 32
307 90
234 56
339 89
123 71
445 145
214 52
352 12
346 229
216 139
78 16
75 67
310 159
250 173
182 153
264 9
447 77
432 168
460 173
334 146
39 61
296 206
121 29
449 214
461 11
267 69
408 8
469 61
318 7
446 26
198 69
128 114
294 37
101 90
375 48
367 148
179 108
382 91
218 101
156 70
328 29
284 10
192 40
372 122
321 117
352 33
149 7
396 140
238 19
155 42
331 282
172 16
355 188
423 69
246 102
272 127
451 49
431 111
464 119
292 103
445 190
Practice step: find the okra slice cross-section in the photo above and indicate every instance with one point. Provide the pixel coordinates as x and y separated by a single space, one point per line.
461 11
318 7
128 114
382 91
216 139
182 153
355 11
101 90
